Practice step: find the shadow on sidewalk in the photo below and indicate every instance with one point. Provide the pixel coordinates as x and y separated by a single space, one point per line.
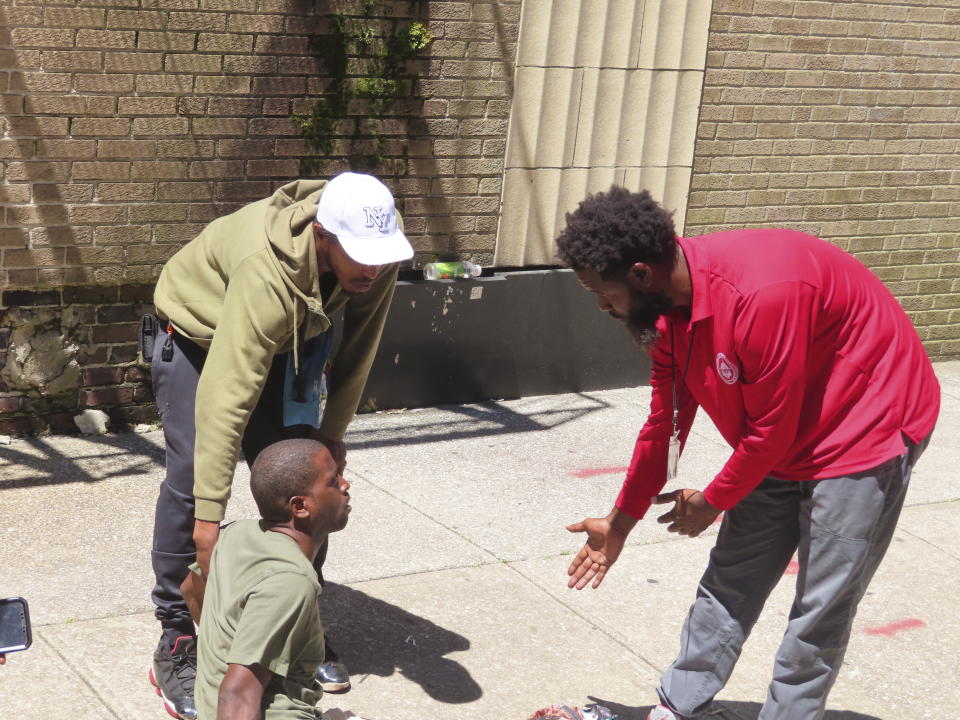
128 453
481 419
125 454
722 710
373 637
750 711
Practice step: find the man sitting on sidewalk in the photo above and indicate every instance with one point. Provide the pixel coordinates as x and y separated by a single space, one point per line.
260 639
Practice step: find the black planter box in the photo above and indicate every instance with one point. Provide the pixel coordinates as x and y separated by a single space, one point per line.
509 335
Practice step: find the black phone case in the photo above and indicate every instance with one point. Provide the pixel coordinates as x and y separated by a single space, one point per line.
149 328
28 634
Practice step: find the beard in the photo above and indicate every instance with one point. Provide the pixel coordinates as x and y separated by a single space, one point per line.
349 286
644 311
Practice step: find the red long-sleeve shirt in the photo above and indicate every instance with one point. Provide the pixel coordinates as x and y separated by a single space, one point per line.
802 358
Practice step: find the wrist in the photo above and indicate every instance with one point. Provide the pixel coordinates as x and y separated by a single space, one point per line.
205 531
621 521
705 493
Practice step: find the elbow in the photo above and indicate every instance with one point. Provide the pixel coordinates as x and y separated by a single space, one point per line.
236 702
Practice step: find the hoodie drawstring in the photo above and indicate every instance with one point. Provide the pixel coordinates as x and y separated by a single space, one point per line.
297 329
299 379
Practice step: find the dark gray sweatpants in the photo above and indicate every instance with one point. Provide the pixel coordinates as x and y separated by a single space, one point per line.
840 529
175 388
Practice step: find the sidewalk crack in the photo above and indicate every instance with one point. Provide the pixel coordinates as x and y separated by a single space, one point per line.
76 671
493 555
590 621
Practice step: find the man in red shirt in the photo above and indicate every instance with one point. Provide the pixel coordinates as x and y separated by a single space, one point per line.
814 375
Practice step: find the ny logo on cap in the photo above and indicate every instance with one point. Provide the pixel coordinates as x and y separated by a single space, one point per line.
377 216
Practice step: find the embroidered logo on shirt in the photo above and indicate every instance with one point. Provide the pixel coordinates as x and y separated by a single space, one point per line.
727 371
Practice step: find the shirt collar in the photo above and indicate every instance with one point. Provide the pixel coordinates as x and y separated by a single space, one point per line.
698 261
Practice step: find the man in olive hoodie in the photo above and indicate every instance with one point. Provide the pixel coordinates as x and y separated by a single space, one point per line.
246 306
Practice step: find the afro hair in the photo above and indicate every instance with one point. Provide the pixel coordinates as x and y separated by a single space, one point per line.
609 232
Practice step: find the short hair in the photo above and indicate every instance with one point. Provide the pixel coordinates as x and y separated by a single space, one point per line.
609 232
281 471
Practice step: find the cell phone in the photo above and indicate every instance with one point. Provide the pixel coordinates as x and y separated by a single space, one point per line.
14 625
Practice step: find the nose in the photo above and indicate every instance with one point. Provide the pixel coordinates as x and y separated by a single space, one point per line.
344 484
604 305
370 271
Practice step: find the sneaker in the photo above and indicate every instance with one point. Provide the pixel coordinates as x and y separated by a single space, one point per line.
662 712
333 676
173 674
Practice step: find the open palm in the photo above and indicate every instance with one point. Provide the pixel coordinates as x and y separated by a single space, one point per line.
603 547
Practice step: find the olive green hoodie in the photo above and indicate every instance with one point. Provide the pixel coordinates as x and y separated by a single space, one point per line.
239 290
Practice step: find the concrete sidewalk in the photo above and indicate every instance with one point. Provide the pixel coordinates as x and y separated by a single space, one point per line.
448 597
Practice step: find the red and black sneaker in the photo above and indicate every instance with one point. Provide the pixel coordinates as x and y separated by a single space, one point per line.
173 674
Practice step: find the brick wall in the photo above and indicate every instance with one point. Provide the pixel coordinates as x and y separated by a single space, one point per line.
841 119
451 196
66 349
129 124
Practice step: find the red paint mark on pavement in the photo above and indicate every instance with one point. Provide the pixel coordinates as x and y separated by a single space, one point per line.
591 472
793 567
895 627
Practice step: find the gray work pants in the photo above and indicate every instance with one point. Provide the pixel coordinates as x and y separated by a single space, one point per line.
840 529
175 388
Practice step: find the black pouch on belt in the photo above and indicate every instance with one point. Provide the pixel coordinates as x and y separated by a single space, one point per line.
149 329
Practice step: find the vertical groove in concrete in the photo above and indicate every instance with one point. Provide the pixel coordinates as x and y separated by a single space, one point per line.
609 95
79 675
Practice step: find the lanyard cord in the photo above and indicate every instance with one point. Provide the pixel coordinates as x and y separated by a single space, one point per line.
673 373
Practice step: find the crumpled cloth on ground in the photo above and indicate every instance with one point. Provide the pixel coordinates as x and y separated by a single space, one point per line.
565 712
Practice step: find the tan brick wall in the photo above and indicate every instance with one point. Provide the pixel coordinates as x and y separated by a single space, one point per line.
129 124
841 119
127 128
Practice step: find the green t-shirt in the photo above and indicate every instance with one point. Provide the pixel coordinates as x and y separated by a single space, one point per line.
261 607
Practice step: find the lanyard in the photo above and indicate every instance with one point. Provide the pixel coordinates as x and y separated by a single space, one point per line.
673 450
683 378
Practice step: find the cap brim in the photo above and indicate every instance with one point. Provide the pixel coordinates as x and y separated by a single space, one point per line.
377 251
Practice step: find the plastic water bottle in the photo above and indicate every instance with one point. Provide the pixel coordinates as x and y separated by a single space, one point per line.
450 270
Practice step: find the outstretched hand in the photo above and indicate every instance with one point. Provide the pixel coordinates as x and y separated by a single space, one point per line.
691 513
603 546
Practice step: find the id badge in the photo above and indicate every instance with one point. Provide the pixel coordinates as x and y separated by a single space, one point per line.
673 456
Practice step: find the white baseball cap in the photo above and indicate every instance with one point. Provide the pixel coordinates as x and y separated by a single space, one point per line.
360 211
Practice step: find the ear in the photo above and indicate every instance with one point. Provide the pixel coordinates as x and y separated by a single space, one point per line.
639 276
298 506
